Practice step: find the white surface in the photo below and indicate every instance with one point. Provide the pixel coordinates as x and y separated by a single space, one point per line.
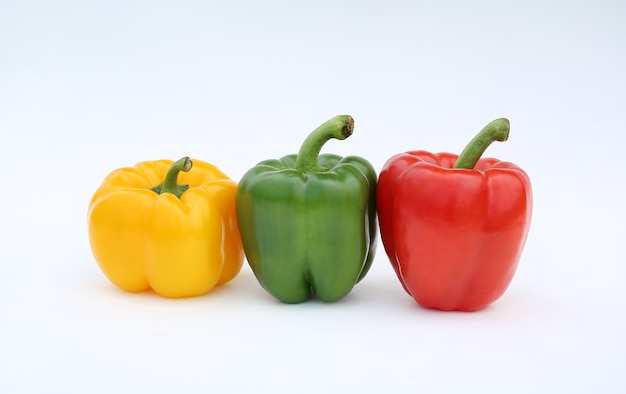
87 88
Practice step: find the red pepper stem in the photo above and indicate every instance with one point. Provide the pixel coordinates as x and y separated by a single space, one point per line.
339 127
497 130
170 184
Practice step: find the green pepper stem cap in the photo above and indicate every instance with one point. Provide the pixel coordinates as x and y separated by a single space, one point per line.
497 130
170 184
340 127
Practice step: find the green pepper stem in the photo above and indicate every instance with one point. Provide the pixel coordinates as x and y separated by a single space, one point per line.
170 184
497 130
339 127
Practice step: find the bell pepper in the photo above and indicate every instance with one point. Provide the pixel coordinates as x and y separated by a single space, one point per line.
147 231
308 221
454 226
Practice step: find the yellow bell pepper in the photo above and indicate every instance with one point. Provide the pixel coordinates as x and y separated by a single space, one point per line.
148 231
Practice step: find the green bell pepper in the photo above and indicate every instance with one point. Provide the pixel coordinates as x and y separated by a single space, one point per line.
308 221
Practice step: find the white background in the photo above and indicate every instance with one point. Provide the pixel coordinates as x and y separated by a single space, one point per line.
87 87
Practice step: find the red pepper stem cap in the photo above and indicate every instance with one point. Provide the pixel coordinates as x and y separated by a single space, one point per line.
170 184
339 127
497 130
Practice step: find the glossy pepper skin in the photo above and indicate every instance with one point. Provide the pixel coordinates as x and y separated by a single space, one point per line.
454 235
181 242
308 221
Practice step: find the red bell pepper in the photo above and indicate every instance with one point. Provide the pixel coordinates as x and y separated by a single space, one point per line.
454 227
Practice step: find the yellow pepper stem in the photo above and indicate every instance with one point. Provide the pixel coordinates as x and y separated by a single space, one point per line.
170 184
